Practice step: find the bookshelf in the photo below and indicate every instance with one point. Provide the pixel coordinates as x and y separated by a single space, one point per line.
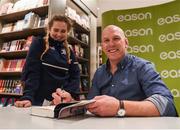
49 9
10 88
21 34
10 73
11 94
14 54
11 17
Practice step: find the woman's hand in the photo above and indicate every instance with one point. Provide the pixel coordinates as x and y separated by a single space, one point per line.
61 96
24 103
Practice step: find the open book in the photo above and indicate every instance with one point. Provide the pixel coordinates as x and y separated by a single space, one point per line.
61 110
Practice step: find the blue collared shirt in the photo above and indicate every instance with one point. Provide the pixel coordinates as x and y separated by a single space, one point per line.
135 80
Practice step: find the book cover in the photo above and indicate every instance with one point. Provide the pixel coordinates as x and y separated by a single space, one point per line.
61 110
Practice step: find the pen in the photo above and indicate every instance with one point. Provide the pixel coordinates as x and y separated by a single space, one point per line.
62 90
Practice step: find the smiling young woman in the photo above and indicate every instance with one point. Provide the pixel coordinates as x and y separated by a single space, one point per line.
50 64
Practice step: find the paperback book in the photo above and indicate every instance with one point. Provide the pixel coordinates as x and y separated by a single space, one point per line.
61 110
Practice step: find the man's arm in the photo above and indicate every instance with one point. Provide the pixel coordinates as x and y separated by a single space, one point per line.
155 90
140 108
109 106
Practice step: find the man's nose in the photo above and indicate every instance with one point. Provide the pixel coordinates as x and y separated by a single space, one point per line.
111 43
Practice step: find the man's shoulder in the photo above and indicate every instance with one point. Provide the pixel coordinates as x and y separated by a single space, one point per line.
138 61
101 69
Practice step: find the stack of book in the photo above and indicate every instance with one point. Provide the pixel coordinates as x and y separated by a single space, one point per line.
15 65
16 45
21 5
10 86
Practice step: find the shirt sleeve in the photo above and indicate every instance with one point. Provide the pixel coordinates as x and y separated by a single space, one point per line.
32 69
74 79
156 90
162 104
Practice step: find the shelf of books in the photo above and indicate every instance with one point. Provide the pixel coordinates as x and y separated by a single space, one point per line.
16 15
79 39
10 35
10 73
11 94
22 20
72 40
84 75
19 21
81 28
13 54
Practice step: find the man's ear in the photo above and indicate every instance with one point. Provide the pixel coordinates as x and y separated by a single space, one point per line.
102 46
127 43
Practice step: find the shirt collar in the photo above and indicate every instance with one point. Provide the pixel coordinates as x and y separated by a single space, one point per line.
121 64
55 43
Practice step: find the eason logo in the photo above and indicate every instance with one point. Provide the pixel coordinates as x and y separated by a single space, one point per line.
141 49
134 17
138 32
168 20
169 37
170 55
170 73
175 92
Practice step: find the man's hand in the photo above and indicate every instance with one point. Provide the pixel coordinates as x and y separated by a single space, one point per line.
104 106
24 103
61 96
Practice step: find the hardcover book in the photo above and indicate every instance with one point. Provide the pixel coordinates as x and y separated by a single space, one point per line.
61 110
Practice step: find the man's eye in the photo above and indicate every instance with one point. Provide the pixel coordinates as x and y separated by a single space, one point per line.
106 40
117 39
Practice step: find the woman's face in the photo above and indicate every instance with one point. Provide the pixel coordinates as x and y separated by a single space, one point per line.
59 31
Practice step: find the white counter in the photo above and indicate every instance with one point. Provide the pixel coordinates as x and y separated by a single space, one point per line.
11 117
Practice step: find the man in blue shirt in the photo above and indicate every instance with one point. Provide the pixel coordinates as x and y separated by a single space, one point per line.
127 85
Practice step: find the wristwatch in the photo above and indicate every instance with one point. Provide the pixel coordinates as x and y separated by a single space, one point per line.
121 112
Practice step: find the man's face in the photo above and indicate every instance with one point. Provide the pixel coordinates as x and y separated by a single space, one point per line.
114 43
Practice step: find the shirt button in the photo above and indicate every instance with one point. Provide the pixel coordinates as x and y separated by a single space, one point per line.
112 85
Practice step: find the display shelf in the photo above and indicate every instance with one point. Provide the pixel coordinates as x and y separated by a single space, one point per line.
9 36
84 76
54 7
10 73
80 28
7 18
10 94
14 54
82 60
72 40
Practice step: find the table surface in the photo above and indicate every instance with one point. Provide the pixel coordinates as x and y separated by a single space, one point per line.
12 117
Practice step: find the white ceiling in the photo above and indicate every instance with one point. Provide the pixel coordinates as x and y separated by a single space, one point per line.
106 5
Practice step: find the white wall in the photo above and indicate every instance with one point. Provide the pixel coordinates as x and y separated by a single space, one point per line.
106 5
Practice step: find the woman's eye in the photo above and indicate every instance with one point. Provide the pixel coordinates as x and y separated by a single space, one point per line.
63 31
56 30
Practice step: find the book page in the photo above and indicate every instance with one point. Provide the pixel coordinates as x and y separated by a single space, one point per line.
43 111
78 104
82 103
74 109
